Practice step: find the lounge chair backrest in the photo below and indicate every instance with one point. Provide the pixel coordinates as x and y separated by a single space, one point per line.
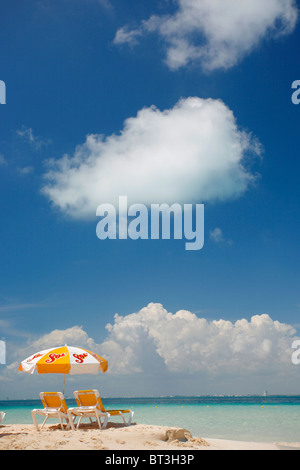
54 400
89 398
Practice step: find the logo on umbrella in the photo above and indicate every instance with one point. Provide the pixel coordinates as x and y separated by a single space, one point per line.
80 357
34 357
54 357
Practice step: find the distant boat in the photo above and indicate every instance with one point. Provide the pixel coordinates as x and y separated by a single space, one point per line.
265 394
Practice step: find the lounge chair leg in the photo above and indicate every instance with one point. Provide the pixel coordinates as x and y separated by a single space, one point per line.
44 422
130 418
98 420
105 421
34 420
61 423
71 421
80 418
69 425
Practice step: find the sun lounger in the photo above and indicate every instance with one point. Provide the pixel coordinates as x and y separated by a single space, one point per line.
90 405
1 416
54 407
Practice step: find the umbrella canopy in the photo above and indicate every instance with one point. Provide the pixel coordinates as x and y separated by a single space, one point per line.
64 360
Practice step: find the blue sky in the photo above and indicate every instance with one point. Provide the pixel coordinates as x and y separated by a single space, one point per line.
66 78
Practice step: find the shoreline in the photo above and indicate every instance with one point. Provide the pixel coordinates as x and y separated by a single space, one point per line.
118 437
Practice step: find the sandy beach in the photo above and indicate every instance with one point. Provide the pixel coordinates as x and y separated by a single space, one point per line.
115 437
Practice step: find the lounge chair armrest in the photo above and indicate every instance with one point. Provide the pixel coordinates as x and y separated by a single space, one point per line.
83 408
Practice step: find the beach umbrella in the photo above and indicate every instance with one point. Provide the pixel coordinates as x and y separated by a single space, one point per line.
64 360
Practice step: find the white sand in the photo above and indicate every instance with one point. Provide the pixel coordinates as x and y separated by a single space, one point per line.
115 437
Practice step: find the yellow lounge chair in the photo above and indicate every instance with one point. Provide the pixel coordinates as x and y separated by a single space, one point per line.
90 404
2 414
54 407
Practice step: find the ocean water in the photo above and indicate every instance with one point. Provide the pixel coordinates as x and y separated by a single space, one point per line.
258 419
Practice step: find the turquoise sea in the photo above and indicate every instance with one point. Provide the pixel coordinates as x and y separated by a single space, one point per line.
250 418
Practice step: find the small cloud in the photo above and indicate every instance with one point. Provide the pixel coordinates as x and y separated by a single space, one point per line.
216 235
126 36
27 135
218 33
26 170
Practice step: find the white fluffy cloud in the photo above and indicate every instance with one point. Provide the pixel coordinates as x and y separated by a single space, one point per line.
183 342
194 151
218 33
154 351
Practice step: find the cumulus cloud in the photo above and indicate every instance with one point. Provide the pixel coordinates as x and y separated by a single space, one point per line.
164 352
153 338
194 151
183 342
218 33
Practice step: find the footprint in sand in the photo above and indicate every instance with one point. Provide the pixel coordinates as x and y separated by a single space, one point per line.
120 442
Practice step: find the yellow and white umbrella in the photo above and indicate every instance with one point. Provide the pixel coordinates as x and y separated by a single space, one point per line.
64 360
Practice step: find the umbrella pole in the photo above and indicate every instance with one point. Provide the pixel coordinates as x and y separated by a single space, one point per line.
64 384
